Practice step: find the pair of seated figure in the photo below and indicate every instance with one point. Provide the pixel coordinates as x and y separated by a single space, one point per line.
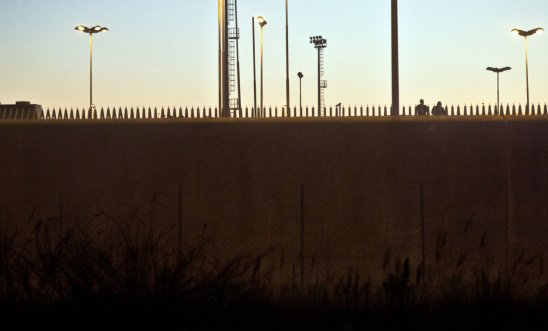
423 110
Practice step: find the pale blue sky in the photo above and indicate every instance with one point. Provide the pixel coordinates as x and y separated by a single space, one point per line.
164 52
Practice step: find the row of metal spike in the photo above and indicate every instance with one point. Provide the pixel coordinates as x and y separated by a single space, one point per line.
196 113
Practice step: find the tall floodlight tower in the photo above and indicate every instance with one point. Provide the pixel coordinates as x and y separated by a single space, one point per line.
229 57
234 56
320 43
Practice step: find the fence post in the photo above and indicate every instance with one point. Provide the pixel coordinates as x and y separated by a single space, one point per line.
545 109
302 237
180 227
520 112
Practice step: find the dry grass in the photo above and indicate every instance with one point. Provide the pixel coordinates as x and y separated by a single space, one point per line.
130 278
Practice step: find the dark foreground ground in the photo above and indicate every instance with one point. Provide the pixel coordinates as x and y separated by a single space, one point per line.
239 314
76 284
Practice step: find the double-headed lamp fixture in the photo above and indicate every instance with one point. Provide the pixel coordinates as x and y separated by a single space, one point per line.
95 29
526 34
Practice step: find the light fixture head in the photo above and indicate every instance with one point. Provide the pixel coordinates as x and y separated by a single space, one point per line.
82 28
95 29
318 41
526 34
499 70
300 74
261 20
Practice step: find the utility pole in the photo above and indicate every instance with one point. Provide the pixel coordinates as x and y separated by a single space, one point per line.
287 56
395 61
224 90
255 113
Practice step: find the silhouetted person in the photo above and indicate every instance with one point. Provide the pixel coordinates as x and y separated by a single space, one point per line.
439 110
422 109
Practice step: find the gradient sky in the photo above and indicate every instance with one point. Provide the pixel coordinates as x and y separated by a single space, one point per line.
164 53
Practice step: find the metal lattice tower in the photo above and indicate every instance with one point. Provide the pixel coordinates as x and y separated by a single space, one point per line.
233 56
323 82
320 43
229 64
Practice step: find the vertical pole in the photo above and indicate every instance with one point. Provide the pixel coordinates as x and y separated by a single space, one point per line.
90 72
506 198
395 61
287 55
423 258
319 83
262 104
180 234
498 92
220 55
301 95
527 72
226 90
302 237
254 70
238 56
61 221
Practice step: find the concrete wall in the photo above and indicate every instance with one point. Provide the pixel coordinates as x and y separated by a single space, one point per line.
484 183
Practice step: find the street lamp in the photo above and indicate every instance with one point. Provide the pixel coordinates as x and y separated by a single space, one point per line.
262 23
300 75
526 34
91 31
287 58
319 43
498 71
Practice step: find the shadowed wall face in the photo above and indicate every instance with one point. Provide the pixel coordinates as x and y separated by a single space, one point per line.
241 185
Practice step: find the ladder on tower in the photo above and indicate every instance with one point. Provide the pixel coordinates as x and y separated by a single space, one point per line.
233 70
323 83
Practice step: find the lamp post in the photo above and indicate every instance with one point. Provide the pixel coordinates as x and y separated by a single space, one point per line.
287 57
319 43
255 113
395 61
262 23
300 75
91 31
526 34
498 71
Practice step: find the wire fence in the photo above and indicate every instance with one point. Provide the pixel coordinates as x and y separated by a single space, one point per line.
135 113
